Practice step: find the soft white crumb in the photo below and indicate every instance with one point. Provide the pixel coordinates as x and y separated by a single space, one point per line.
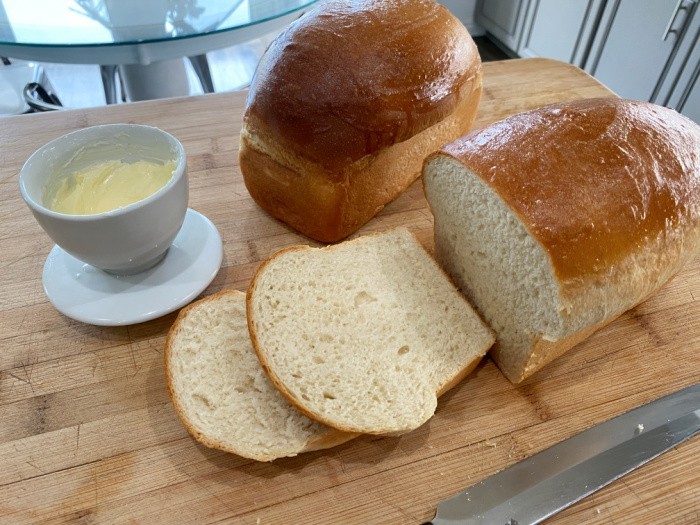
491 444
597 510
640 428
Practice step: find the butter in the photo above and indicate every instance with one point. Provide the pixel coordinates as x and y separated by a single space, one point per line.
107 185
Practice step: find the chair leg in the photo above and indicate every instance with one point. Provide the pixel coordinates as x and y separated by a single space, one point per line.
108 83
122 89
200 64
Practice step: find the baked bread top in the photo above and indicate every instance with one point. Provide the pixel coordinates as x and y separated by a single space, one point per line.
628 170
350 78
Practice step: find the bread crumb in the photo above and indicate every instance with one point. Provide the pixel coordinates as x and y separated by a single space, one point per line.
257 521
491 444
640 428
597 510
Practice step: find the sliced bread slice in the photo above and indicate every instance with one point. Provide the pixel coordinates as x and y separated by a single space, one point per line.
363 336
221 393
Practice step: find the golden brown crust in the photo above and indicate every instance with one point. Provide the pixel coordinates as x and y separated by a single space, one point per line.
328 207
346 104
544 352
351 78
309 203
453 382
610 189
629 171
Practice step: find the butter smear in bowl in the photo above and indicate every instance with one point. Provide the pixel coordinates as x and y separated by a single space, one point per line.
107 185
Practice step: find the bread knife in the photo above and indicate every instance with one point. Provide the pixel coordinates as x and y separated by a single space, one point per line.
542 485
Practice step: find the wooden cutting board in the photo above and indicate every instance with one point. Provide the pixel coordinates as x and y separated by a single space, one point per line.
88 435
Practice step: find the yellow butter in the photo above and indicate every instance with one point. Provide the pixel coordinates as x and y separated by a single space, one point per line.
107 186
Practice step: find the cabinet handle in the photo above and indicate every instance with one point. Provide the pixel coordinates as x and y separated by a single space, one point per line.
680 6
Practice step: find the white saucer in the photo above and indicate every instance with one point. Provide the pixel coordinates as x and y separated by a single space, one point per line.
84 293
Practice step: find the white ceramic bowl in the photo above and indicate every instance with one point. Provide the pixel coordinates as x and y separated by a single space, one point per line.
126 240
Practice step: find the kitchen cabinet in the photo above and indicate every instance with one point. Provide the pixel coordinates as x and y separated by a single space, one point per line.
465 11
635 49
504 19
559 29
681 86
691 106
685 97
642 50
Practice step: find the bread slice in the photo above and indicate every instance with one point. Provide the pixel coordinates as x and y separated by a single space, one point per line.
221 393
365 335
556 221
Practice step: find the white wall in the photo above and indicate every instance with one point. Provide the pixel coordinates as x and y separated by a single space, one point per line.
464 10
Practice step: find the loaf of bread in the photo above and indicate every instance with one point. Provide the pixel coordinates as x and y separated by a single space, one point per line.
556 221
346 104
221 393
363 336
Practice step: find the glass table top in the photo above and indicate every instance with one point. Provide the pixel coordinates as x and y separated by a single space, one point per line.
108 22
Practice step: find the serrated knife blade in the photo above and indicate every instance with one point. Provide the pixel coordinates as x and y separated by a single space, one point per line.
542 485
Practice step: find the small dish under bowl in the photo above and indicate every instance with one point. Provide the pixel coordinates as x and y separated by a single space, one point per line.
86 294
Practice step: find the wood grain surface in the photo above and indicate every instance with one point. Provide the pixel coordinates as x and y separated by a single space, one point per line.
88 435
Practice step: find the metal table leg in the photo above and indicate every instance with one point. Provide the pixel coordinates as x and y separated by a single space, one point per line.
200 64
159 79
108 83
